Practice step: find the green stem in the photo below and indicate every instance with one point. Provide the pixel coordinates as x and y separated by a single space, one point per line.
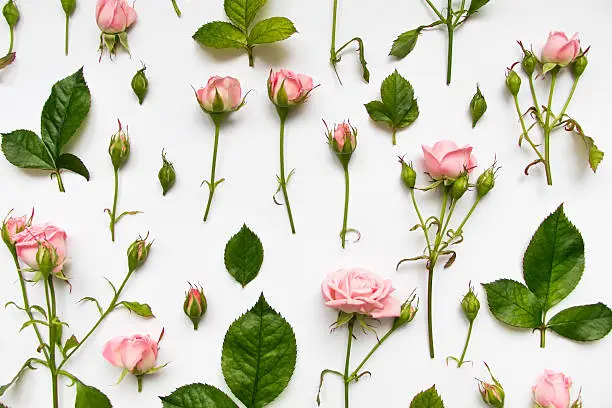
459 229
451 33
547 128
460 13
542 338
52 314
66 39
534 96
12 39
176 8
332 49
346 204
423 227
60 182
435 10
282 113
467 342
567 102
348 362
212 186
525 131
139 380
379 343
249 49
394 137
429 308
113 214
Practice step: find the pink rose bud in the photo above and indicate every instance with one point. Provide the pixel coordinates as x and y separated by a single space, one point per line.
559 49
220 95
138 253
286 88
45 243
13 226
446 160
552 390
492 394
345 138
195 305
119 147
114 16
359 291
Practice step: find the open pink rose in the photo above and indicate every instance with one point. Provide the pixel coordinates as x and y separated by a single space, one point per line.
296 86
446 160
359 291
229 91
344 133
559 49
28 241
14 226
552 390
137 354
114 16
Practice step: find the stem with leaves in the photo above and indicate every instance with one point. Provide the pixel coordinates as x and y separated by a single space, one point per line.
212 184
334 54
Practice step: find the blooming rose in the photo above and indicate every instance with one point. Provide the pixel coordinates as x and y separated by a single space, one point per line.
345 133
552 390
296 86
28 241
12 227
137 354
359 291
559 49
229 92
114 16
445 160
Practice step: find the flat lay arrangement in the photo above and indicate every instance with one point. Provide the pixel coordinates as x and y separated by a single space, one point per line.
399 261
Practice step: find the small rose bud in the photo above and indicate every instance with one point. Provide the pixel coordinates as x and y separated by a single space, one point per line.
68 6
580 65
478 106
11 13
460 186
470 305
138 252
407 313
408 174
166 175
119 148
195 305
492 394
47 258
529 63
513 82
140 84
13 226
486 181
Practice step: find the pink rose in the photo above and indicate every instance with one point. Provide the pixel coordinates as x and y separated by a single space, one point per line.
137 354
12 227
230 94
114 16
359 291
445 160
552 390
296 86
345 133
559 49
28 242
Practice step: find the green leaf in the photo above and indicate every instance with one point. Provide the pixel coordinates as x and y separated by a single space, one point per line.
64 111
378 112
427 399
512 303
219 34
478 106
583 323
71 343
141 309
93 300
595 155
90 397
242 12
244 255
554 261
22 148
476 5
405 43
26 366
70 162
258 357
271 30
198 396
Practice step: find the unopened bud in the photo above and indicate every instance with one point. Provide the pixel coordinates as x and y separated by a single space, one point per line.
513 82
478 106
46 258
580 65
137 253
140 84
166 175
119 148
195 305
486 181
529 63
492 394
11 13
460 186
68 6
470 305
408 174
407 312
13 226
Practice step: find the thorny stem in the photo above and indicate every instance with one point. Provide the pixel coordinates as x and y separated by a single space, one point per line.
547 128
346 204
282 113
212 186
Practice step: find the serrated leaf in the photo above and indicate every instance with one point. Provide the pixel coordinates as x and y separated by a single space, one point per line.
478 106
427 399
198 396
64 111
242 12
90 397
70 162
26 366
476 5
595 155
24 149
405 43
512 303
244 255
220 34
554 261
71 343
141 309
271 30
583 323
258 357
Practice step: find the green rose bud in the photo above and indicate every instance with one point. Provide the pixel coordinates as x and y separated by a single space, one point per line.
470 305
138 253
68 6
478 106
119 148
513 82
140 84
47 258
195 305
580 65
408 174
529 63
486 181
459 186
492 394
166 175
407 313
11 13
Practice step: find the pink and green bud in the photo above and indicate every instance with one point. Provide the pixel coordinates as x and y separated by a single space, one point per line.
138 252
220 95
459 186
195 305
47 258
119 148
287 88
343 141
492 394
407 313
408 174
13 226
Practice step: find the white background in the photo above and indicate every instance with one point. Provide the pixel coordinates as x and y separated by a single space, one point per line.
186 249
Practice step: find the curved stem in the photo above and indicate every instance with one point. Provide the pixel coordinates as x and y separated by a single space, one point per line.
547 128
12 39
66 39
60 182
282 112
526 132
459 229
379 343
176 8
113 214
423 227
467 342
212 184
348 362
451 32
567 102
435 10
346 204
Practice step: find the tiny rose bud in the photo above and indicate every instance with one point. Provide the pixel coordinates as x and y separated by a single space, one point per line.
195 305
343 141
11 13
140 84
166 175
407 313
46 258
478 106
513 82
470 305
119 148
492 394
137 253
486 181
460 186
68 6
529 63
408 174
580 65
12 227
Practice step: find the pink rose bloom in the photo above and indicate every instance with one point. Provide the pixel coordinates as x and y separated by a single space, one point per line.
552 390
296 86
229 91
29 240
559 49
446 160
343 133
359 291
137 354
114 16
14 226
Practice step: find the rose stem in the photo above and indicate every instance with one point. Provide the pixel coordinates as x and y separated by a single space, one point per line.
347 380
66 39
176 8
52 311
467 342
60 183
114 212
547 128
217 119
451 32
346 204
282 113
